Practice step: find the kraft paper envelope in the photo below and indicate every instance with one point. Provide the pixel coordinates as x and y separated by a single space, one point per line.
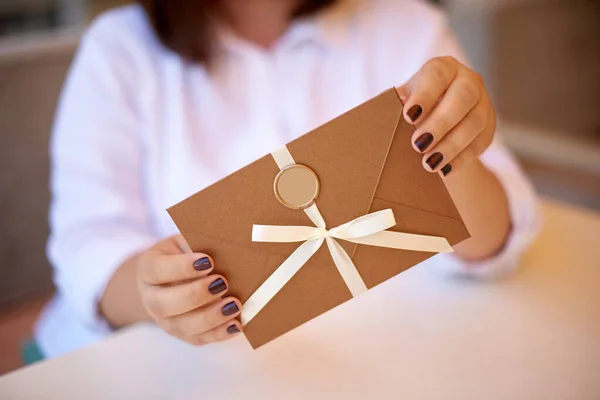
365 163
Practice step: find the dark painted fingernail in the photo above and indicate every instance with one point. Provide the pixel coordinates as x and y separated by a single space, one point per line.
217 286
446 170
232 329
415 112
230 309
424 141
202 264
435 160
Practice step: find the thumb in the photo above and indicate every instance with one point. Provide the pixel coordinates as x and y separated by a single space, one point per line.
173 245
182 244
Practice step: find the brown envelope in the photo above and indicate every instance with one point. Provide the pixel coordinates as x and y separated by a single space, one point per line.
365 163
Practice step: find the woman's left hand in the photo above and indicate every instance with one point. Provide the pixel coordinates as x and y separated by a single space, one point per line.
453 114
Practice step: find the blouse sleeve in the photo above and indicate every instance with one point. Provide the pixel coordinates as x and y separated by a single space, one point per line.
98 214
523 203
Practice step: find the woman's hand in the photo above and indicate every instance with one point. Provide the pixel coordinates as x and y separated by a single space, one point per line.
452 111
455 123
180 295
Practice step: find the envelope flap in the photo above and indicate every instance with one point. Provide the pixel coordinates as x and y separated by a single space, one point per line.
348 155
404 180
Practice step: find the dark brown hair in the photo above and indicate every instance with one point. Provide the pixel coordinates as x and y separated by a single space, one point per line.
186 26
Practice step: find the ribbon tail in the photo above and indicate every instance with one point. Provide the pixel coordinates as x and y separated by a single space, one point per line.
405 241
279 278
346 268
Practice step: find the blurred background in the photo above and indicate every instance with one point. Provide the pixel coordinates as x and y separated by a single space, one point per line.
540 60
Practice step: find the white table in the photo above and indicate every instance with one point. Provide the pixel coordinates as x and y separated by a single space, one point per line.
534 336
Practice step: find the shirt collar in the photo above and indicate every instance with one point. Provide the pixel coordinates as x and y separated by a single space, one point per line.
328 29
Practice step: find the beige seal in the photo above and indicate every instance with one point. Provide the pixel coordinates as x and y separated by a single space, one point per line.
296 186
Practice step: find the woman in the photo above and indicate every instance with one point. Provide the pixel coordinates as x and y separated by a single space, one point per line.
165 98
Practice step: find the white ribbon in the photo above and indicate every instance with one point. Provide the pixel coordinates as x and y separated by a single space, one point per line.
369 230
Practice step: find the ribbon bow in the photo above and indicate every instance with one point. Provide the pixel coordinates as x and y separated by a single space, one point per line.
368 230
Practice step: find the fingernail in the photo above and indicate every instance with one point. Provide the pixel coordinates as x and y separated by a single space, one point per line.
434 160
446 170
217 286
415 112
202 264
230 309
424 141
232 329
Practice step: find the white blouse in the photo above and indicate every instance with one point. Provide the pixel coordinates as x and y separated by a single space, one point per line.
138 129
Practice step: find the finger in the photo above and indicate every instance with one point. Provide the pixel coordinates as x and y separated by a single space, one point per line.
458 139
172 245
168 301
461 97
222 332
159 268
469 154
402 93
427 86
203 319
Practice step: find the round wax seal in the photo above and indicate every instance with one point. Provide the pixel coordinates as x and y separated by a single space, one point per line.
296 186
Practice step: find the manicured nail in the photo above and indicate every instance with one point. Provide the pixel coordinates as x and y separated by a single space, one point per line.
446 170
424 141
230 309
435 160
202 264
232 329
217 286
415 112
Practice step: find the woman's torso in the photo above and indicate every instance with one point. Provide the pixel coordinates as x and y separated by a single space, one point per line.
197 127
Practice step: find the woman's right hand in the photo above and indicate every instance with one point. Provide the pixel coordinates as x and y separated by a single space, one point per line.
184 300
